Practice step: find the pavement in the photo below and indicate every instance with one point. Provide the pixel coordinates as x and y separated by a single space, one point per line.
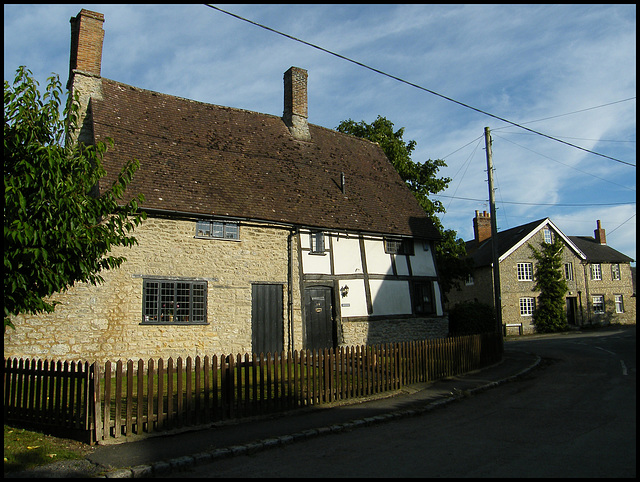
175 452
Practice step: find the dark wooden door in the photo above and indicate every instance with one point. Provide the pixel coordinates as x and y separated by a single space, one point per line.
572 305
267 323
320 331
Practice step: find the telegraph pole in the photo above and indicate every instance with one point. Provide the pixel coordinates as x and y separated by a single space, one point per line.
494 233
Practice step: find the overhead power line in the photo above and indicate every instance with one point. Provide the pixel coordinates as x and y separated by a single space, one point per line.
538 204
415 85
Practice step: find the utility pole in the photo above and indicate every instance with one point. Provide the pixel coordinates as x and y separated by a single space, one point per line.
494 233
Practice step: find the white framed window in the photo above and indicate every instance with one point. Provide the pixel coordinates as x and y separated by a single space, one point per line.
615 271
596 272
527 305
547 236
217 230
568 271
469 280
619 304
316 241
525 272
598 304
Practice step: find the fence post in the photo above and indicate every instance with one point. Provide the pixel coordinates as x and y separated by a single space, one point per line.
95 401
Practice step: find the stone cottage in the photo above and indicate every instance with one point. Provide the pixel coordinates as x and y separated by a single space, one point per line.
598 277
264 232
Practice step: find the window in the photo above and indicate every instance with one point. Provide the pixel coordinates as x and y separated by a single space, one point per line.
398 246
547 236
598 304
316 242
568 271
217 230
619 304
525 272
469 281
423 298
615 271
596 272
527 306
174 301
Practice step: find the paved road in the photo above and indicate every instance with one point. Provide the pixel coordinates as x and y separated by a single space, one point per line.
574 416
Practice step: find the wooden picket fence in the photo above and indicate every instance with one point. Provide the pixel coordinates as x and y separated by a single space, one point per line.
50 395
114 401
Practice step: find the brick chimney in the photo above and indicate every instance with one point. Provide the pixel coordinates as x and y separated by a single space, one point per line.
482 226
85 63
599 234
87 36
295 103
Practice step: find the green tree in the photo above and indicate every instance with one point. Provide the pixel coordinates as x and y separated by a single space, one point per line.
422 179
549 315
58 230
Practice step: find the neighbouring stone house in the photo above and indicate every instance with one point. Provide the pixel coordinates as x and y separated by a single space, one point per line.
263 233
598 277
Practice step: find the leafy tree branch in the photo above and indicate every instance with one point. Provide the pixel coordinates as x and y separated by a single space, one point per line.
58 230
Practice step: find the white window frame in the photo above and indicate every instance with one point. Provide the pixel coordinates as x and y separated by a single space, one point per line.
596 272
598 304
619 302
568 271
615 272
469 280
548 238
525 271
527 306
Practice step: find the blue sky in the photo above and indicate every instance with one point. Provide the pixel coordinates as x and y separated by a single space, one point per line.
568 71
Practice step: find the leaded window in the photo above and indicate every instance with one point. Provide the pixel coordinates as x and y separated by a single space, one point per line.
174 301
217 230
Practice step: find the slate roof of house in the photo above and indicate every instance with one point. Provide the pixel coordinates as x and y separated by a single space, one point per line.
481 253
207 160
599 253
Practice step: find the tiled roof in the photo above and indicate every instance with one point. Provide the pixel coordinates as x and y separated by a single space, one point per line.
205 159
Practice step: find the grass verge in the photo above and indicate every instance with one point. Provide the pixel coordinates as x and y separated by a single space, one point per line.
24 449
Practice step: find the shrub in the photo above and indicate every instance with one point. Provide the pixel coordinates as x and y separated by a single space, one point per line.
470 318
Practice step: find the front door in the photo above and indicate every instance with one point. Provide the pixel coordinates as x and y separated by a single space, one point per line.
572 306
267 323
320 331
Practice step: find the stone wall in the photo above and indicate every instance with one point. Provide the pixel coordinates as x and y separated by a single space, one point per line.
104 322
376 331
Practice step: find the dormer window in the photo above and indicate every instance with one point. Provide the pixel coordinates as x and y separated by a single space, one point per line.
217 230
316 241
